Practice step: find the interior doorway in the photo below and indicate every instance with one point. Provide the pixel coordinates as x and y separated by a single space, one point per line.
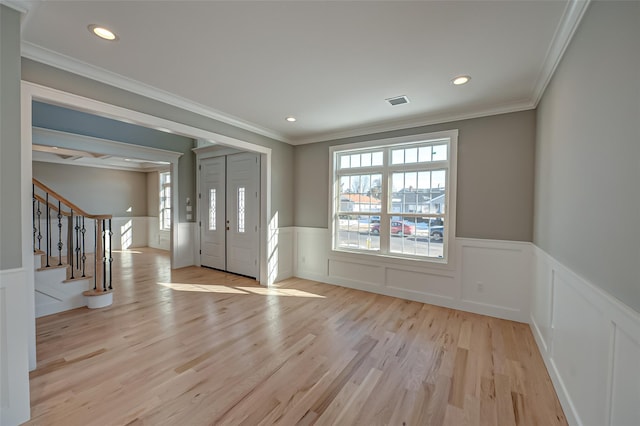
229 212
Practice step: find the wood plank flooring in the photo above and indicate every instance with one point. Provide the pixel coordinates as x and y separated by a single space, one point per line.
201 347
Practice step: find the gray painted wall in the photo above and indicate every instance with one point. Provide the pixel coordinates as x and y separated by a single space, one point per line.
96 190
495 176
153 194
587 198
67 120
282 154
10 209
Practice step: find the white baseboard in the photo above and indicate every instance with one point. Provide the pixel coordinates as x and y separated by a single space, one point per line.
14 350
502 268
590 342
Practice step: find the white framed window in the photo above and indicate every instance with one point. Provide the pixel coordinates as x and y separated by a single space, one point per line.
165 201
395 197
212 209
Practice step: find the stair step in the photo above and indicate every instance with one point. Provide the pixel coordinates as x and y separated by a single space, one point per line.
98 298
92 292
45 268
72 280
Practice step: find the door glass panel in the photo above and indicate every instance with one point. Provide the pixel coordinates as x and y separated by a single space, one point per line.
241 209
212 209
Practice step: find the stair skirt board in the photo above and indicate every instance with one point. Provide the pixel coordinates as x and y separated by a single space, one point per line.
53 294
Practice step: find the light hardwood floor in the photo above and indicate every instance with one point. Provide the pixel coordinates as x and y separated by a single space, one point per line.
201 347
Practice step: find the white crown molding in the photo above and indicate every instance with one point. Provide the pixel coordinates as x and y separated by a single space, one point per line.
67 63
416 122
570 21
17 5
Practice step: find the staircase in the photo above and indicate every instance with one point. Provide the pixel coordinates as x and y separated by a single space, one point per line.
72 252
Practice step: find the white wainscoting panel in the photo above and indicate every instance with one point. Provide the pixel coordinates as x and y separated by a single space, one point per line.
590 342
14 354
499 285
283 251
156 238
184 247
311 247
363 273
504 268
419 282
625 390
129 232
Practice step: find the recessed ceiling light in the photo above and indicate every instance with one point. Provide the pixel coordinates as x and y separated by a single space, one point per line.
102 32
460 80
291 119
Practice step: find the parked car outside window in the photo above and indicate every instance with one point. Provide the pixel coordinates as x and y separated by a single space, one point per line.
397 228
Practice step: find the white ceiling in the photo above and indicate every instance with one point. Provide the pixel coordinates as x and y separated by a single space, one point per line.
331 64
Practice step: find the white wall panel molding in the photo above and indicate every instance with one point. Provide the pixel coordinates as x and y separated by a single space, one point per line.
155 237
502 267
281 257
590 342
185 246
14 350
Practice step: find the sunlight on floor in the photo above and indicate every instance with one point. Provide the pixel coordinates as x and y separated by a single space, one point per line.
263 291
127 251
279 292
203 288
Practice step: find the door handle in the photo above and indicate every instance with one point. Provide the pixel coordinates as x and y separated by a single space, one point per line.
227 228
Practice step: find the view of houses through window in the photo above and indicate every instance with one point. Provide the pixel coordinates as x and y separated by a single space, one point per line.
392 199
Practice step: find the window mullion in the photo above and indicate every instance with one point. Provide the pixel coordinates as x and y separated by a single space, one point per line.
385 205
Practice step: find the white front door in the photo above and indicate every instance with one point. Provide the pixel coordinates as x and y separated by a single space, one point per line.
212 213
243 206
229 213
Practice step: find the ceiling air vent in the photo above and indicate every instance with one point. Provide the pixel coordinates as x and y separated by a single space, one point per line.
398 100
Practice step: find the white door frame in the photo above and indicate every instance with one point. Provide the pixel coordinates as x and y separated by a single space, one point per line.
34 92
213 151
209 151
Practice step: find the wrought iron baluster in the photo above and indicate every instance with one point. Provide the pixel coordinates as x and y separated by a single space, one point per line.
110 256
60 245
39 214
77 229
104 256
83 230
70 242
48 242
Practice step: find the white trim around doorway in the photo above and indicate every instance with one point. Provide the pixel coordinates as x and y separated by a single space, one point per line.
183 243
